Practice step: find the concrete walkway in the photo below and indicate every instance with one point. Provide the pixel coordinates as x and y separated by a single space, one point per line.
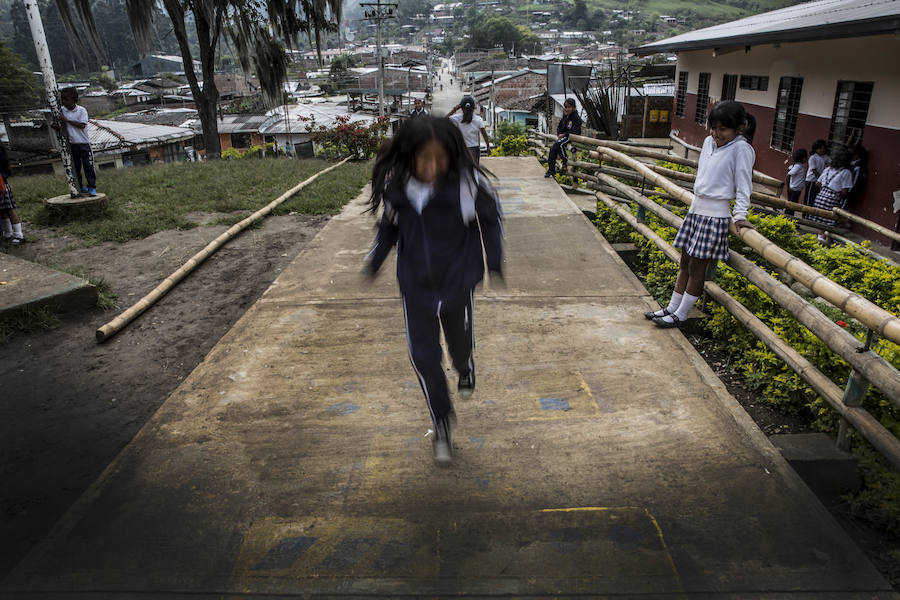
599 457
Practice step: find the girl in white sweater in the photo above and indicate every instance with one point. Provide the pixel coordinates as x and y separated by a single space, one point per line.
724 173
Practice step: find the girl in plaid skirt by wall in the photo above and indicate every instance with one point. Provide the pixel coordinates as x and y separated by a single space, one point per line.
724 173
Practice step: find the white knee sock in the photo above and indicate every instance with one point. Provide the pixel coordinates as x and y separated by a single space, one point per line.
672 307
6 227
17 230
687 303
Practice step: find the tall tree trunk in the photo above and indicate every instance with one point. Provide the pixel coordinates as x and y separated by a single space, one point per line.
207 96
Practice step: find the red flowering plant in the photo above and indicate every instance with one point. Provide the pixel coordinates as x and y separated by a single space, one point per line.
345 138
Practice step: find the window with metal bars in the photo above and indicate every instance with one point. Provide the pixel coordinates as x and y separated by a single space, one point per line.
702 98
681 100
786 110
759 83
851 109
729 86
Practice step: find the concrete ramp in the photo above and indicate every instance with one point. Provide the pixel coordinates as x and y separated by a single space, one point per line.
25 284
598 458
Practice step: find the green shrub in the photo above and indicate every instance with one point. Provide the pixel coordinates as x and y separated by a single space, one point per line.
511 146
232 154
506 129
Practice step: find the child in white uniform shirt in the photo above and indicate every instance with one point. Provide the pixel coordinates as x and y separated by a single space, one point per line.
724 173
833 186
796 175
818 160
470 125
75 118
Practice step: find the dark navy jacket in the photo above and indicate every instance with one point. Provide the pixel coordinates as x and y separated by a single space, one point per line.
569 124
440 256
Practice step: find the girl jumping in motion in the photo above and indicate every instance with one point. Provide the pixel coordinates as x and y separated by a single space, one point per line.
724 173
444 217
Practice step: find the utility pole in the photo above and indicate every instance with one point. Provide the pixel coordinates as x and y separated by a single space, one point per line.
379 11
43 55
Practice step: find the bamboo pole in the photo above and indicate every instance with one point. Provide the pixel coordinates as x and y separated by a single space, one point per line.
869 224
871 315
639 151
117 324
866 424
766 199
755 197
869 364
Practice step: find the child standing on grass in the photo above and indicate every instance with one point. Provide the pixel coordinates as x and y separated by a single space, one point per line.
443 216
724 173
796 176
10 225
75 118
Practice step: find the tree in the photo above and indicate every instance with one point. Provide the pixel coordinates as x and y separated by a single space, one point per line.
529 43
257 29
339 70
19 88
493 32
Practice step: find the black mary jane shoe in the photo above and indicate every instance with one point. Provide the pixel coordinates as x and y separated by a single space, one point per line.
651 314
676 322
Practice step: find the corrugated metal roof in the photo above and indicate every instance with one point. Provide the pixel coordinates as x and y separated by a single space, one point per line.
107 135
825 19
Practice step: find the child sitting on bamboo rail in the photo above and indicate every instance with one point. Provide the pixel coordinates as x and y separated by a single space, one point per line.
568 125
724 173
444 218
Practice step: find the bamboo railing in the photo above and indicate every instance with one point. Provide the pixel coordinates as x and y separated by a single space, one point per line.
873 367
117 324
871 315
879 436
867 365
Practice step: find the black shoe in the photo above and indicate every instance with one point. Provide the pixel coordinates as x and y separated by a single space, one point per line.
466 384
548 174
676 322
442 445
651 314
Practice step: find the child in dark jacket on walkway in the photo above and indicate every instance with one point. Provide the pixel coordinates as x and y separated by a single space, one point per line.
443 216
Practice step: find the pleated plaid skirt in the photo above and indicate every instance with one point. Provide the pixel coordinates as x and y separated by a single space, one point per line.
703 237
826 199
6 196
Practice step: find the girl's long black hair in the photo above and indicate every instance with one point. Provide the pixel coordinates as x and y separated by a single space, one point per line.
733 114
468 108
396 157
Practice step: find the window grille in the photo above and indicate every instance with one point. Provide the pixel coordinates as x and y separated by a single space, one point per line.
851 109
729 87
786 111
702 98
759 83
681 100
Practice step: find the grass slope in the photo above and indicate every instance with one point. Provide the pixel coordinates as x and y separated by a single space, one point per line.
152 198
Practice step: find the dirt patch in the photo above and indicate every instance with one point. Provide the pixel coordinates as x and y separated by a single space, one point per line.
70 404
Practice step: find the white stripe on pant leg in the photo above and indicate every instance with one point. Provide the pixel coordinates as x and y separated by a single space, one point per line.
413 363
470 309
